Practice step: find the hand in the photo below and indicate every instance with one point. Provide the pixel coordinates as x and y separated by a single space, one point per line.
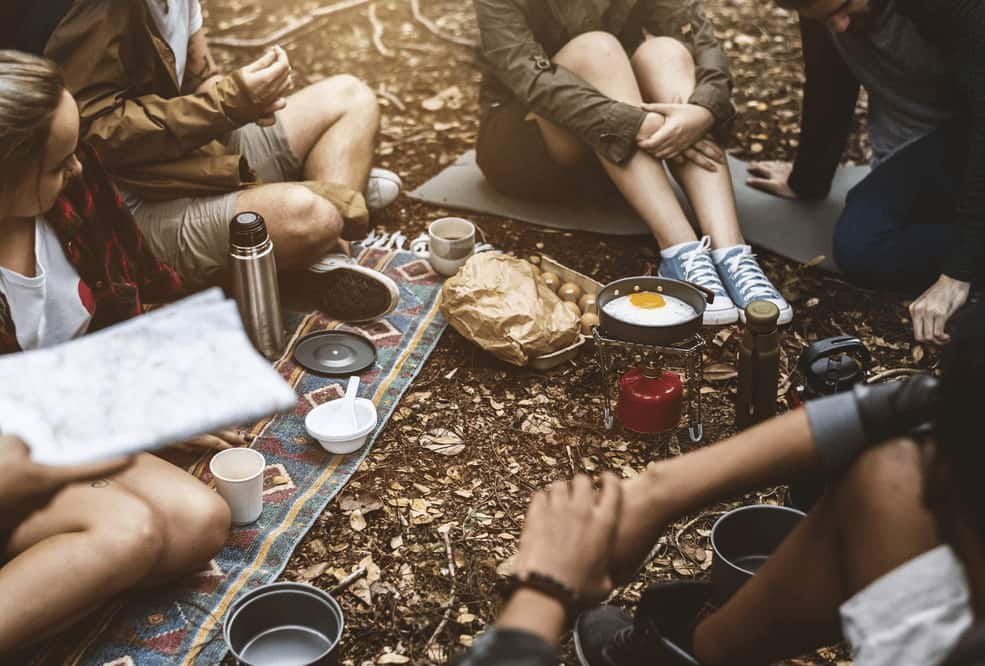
772 178
705 153
568 533
26 486
934 308
217 441
268 81
684 125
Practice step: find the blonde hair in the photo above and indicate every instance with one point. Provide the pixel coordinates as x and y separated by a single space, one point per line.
31 90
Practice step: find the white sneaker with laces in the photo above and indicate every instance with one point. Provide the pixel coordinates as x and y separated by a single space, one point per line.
382 189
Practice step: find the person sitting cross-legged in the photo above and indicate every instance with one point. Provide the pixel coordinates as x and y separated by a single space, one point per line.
577 96
190 147
892 557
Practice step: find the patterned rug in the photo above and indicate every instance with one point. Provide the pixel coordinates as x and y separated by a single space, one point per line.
183 624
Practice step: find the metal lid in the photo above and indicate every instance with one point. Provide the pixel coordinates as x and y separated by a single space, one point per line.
247 230
761 316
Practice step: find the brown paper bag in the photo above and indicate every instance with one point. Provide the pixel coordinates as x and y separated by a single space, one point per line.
498 303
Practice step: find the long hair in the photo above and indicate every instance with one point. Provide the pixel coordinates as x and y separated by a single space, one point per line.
31 90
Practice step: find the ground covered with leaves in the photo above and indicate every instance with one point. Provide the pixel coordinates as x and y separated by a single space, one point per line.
437 508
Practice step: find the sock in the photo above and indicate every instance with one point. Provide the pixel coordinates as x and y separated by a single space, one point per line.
718 255
674 250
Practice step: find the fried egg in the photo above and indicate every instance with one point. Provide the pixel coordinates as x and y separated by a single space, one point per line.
648 308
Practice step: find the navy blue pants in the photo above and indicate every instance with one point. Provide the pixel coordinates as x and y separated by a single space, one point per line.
897 227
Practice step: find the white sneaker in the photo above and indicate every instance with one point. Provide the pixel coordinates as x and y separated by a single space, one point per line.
382 189
693 264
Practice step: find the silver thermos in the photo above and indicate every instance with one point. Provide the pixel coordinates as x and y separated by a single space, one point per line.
254 282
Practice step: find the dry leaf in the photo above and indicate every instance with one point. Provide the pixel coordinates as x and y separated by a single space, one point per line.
443 441
362 502
360 590
313 571
719 372
356 521
393 658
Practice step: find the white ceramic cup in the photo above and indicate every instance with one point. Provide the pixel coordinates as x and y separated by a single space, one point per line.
238 477
451 241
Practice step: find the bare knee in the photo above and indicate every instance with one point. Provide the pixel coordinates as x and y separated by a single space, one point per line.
358 96
668 66
133 535
308 225
591 52
884 478
203 519
666 50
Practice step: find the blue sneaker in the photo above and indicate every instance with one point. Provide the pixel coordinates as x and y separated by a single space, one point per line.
693 264
746 282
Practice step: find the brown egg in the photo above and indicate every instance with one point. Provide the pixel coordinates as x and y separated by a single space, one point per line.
573 307
587 303
569 291
551 280
588 320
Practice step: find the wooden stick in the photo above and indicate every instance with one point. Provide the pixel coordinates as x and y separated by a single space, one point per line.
378 33
432 27
393 99
279 35
454 592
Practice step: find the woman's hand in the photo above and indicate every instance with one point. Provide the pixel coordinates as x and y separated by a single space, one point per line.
216 441
684 125
26 486
568 533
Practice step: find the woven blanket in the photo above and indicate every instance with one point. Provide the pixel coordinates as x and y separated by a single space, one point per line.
182 624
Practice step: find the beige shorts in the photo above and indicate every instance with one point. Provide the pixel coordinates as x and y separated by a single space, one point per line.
192 233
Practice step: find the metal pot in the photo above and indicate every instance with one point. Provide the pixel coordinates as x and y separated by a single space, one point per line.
695 296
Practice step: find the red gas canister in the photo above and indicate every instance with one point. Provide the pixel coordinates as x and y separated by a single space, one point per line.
650 399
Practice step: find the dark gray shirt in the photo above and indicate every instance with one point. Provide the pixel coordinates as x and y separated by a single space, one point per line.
912 89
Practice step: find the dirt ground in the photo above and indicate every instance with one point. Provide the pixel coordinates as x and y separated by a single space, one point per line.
425 596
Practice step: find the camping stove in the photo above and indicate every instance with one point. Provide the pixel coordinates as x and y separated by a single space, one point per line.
615 356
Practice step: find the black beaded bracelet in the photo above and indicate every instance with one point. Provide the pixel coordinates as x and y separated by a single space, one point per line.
546 585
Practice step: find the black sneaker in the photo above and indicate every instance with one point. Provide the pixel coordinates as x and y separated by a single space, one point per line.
349 292
599 632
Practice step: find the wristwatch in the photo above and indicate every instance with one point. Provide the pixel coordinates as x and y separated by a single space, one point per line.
546 585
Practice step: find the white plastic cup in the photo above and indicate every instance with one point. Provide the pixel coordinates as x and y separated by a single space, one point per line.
451 241
238 477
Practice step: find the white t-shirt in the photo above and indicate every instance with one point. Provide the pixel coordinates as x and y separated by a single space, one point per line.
54 306
177 21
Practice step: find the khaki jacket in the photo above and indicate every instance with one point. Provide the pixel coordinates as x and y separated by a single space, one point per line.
154 141
519 37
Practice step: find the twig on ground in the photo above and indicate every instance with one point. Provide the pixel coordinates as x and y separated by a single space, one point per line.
390 97
347 582
378 33
571 460
680 531
452 597
290 28
432 27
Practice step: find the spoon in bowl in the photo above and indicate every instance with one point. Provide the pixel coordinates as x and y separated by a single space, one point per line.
349 402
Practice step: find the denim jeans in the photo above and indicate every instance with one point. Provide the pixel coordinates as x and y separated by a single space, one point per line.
897 227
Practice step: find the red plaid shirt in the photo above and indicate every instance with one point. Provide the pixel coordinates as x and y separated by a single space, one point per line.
105 246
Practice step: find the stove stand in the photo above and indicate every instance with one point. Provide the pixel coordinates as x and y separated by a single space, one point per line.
686 355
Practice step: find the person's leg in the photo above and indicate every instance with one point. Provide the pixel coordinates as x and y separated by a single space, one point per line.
331 126
600 59
89 544
895 231
665 71
194 519
872 522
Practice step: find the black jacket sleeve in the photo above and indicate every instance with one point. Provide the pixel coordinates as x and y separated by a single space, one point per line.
508 647
830 92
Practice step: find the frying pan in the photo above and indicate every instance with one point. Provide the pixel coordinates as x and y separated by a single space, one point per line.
695 296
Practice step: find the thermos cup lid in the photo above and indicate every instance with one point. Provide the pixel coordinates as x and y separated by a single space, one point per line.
247 230
761 316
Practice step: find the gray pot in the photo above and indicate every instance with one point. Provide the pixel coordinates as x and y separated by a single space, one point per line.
743 539
284 624
695 296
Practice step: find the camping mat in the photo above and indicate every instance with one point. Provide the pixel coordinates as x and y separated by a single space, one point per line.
182 624
799 230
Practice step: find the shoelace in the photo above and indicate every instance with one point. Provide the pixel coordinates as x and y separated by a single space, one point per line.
698 267
750 280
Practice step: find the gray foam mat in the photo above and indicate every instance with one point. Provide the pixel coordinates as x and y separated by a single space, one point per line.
798 230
